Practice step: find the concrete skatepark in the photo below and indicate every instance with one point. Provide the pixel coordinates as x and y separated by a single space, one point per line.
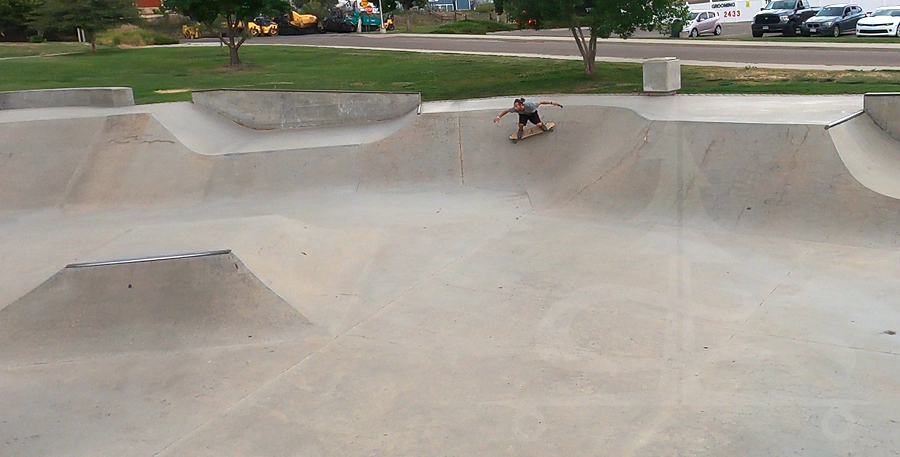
653 278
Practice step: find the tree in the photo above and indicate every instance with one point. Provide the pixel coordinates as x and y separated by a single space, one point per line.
318 9
92 16
408 6
234 12
14 15
601 17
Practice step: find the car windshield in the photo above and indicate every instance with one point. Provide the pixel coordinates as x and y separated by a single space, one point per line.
886 13
694 16
781 5
831 11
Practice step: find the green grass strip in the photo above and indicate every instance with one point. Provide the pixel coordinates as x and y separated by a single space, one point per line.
163 74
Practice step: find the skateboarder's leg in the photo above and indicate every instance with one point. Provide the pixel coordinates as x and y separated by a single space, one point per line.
536 120
523 119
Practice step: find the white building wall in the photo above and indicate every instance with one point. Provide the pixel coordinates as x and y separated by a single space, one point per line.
743 10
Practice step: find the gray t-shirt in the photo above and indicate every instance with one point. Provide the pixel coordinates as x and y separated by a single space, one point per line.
530 107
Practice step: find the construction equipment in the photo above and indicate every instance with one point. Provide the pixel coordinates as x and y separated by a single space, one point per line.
191 32
344 22
262 26
295 23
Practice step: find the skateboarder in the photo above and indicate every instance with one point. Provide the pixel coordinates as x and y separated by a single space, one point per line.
527 111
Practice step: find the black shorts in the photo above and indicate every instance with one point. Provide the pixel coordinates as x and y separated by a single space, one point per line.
533 117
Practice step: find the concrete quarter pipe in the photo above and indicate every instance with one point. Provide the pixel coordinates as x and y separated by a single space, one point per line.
646 280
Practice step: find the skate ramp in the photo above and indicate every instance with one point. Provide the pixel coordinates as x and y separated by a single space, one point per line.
773 179
634 283
99 350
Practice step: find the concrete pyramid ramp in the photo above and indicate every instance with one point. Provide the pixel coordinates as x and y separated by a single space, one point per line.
96 350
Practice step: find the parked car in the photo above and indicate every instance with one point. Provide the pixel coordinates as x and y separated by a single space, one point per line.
882 22
833 20
701 22
781 16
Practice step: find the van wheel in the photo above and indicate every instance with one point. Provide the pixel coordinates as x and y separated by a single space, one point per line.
718 30
694 33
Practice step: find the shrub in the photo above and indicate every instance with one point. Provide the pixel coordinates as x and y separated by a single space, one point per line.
130 35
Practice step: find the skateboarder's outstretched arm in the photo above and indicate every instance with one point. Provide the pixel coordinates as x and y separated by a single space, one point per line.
502 113
545 102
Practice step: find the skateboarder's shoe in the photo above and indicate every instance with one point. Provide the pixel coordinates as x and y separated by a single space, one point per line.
544 127
519 134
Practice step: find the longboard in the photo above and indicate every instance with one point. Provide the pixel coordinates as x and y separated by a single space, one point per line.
535 130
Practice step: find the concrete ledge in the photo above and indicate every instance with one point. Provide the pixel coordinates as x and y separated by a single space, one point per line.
662 75
278 109
884 109
101 97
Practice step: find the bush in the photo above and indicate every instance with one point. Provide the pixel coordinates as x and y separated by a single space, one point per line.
470 27
39 38
129 35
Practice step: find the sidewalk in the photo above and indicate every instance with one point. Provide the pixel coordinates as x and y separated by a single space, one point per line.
663 41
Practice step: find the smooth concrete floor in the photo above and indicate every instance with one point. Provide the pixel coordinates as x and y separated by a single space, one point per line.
653 287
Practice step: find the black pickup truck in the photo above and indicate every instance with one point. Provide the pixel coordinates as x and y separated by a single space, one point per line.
782 16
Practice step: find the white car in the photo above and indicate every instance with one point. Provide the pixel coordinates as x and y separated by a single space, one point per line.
883 22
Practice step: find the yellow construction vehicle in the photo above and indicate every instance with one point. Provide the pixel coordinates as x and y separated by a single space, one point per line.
295 23
191 32
262 26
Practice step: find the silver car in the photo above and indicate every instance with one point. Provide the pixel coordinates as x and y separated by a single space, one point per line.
701 22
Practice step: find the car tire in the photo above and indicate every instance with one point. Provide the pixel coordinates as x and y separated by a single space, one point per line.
898 32
806 34
254 32
694 33
273 32
790 30
718 30
836 31
757 34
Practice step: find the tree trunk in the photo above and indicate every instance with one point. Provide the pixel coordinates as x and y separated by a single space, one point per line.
93 43
588 49
233 58
408 21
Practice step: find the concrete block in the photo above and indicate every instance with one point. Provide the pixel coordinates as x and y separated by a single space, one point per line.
884 109
102 97
276 109
662 75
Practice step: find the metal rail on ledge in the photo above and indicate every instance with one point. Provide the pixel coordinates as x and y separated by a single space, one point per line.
844 119
148 259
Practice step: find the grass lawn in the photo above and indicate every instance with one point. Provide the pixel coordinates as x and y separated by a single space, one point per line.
160 74
37 49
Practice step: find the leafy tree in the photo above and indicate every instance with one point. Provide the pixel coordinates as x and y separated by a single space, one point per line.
601 17
498 6
234 12
92 16
14 16
320 10
273 8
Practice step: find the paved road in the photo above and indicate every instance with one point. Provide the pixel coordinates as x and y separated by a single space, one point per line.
790 54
